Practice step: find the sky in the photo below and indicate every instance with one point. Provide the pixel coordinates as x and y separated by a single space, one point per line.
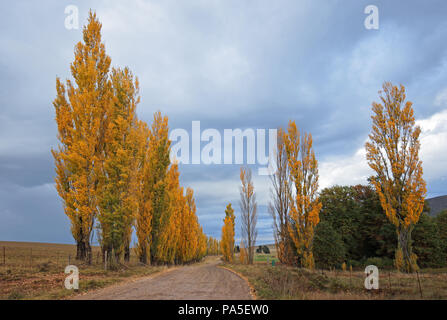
228 64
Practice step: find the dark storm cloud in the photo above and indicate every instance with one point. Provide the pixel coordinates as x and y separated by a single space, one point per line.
229 64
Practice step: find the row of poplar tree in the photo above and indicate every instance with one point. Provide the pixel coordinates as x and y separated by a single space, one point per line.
114 173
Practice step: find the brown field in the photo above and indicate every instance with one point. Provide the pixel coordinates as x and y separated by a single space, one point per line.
31 270
285 282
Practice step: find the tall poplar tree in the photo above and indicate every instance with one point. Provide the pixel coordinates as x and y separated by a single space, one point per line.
227 241
249 214
143 220
393 153
116 186
157 168
81 121
304 204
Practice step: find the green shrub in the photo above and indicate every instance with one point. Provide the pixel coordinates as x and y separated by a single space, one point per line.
428 244
328 247
379 262
266 250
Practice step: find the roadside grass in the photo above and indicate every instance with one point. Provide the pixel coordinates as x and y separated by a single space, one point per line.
282 282
267 258
36 271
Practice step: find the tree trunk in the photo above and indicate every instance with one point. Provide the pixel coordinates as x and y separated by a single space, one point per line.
143 256
87 252
80 250
404 244
127 253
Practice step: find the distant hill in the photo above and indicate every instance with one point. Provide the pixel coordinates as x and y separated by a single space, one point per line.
437 205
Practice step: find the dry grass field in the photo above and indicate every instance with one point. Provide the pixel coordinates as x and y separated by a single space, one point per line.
36 270
284 282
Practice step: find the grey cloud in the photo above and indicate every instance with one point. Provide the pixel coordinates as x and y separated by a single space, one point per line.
228 64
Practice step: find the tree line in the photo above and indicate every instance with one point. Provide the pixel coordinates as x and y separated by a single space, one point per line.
113 171
355 230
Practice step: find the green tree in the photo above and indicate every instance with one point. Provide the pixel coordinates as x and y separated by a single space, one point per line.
441 221
356 214
427 243
329 250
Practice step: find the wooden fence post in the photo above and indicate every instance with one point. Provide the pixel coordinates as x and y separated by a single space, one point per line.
419 282
350 277
389 280
4 255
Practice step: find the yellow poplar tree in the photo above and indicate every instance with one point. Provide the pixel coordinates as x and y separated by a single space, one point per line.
168 242
227 242
116 193
81 122
212 246
304 203
191 225
243 256
158 165
393 153
202 244
143 223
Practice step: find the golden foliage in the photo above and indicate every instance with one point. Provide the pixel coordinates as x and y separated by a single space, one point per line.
304 203
143 223
111 167
227 241
81 122
279 205
213 246
116 185
393 153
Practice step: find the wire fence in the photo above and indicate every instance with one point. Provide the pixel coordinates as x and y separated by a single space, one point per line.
42 257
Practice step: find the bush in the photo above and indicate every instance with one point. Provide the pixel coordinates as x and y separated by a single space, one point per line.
328 249
441 221
266 250
355 264
379 262
427 243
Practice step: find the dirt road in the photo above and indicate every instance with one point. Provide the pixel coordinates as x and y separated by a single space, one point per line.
196 282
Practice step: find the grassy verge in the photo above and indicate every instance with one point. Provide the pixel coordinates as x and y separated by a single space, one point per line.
284 282
36 271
